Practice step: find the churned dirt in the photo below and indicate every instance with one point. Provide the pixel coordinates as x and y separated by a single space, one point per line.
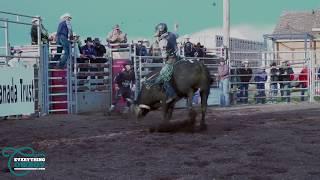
252 142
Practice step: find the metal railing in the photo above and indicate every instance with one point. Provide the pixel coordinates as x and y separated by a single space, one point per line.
299 82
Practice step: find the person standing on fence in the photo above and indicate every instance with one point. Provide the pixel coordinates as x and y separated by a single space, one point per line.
124 87
260 79
303 81
245 76
223 76
285 85
274 78
64 36
34 32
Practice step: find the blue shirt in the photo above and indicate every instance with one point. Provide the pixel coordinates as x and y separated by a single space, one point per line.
64 29
88 50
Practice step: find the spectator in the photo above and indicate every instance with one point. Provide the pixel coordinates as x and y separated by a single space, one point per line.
116 35
223 76
188 48
99 48
234 81
76 39
124 87
199 50
53 38
260 79
303 81
64 36
88 50
100 51
245 76
34 32
285 85
146 43
141 50
274 78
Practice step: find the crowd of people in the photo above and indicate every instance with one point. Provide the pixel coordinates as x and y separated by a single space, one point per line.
165 46
193 50
281 77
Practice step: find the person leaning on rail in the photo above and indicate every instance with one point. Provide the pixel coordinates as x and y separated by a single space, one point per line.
245 76
285 76
116 35
100 52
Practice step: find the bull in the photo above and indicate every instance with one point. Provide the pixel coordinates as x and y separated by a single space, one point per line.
188 76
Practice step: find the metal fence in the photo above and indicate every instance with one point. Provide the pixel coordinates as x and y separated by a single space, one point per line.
273 77
12 56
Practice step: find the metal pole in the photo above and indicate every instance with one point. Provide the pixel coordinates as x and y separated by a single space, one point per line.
226 23
15 14
6 36
39 34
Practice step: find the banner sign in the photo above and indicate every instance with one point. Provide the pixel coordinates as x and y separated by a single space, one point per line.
17 94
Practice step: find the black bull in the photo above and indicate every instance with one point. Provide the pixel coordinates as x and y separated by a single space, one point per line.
187 78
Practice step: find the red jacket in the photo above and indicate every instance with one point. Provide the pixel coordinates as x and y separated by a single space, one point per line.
303 76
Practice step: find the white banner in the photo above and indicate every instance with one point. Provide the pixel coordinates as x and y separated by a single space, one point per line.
17 93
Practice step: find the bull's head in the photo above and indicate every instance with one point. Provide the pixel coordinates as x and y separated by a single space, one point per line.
149 99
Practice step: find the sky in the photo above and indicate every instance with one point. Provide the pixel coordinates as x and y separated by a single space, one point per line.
249 18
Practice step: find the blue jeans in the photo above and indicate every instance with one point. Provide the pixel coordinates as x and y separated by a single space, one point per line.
285 91
261 95
224 96
274 91
64 42
170 92
244 93
303 91
196 96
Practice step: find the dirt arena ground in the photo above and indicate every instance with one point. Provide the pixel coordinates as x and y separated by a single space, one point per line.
253 142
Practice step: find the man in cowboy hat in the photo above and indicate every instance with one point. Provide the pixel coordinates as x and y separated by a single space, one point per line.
88 50
100 49
34 32
188 48
64 36
116 35
141 50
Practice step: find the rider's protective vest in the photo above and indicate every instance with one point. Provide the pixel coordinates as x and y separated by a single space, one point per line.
168 45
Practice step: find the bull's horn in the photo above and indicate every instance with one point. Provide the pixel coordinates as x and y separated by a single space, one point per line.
136 110
143 106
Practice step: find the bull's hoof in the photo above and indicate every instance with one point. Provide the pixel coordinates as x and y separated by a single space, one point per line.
203 127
